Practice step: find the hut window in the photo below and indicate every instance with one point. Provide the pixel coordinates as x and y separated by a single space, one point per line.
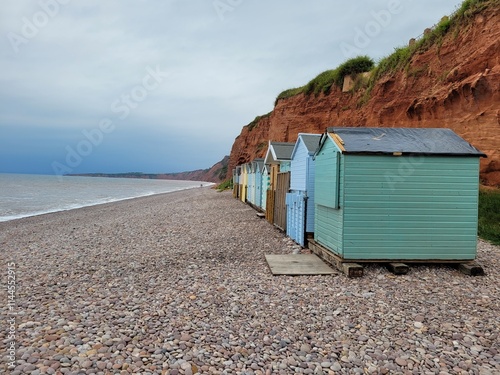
329 183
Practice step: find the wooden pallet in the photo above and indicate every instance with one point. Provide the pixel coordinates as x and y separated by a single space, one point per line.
352 268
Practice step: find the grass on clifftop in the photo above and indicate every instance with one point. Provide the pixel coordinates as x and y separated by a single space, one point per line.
401 57
489 215
396 61
256 120
323 82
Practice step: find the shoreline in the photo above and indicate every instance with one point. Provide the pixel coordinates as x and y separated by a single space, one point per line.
177 283
41 213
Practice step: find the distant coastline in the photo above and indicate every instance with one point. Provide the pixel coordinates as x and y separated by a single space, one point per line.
216 174
150 176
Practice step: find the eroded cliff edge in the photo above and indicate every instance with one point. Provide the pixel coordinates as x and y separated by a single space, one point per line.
455 84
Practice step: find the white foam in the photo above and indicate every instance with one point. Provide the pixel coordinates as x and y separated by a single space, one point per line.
9 215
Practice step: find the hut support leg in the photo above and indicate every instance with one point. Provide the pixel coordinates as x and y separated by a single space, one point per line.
352 269
349 269
471 269
398 268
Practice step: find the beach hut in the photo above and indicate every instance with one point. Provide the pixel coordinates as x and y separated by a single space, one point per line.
251 183
300 200
278 157
236 185
266 181
239 179
396 194
244 182
257 166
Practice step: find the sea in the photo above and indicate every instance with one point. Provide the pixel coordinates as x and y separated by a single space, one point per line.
23 195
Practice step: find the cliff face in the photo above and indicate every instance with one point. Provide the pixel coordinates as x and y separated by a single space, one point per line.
216 173
455 85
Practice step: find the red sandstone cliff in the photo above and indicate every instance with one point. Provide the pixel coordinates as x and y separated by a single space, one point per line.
455 84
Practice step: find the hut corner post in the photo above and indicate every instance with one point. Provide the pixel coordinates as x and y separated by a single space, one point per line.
348 268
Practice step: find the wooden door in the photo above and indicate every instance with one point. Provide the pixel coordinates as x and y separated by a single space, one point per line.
282 188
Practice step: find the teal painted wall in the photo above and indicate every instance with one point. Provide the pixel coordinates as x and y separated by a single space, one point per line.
410 207
406 208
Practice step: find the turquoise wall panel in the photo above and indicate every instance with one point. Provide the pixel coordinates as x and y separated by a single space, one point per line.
258 188
328 191
327 177
410 208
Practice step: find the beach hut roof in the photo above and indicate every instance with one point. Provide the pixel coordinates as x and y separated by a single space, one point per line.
279 151
415 141
258 164
311 141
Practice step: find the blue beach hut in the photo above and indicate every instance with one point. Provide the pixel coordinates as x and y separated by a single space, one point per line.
251 183
265 183
396 194
257 166
300 200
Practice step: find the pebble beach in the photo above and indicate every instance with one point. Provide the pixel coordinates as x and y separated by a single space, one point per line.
178 283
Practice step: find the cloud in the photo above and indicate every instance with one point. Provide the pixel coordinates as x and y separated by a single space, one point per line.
83 58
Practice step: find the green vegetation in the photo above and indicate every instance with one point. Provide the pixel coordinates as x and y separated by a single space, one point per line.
401 57
489 215
323 82
222 172
360 82
399 60
289 93
470 8
226 185
256 120
353 66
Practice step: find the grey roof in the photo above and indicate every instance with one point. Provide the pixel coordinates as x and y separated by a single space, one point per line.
259 163
421 141
311 141
283 150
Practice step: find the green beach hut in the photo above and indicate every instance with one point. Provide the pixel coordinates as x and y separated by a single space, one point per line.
396 194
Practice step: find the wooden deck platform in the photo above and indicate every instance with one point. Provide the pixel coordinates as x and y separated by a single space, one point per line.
298 264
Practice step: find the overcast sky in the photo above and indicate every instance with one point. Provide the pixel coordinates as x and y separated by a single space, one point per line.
166 85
